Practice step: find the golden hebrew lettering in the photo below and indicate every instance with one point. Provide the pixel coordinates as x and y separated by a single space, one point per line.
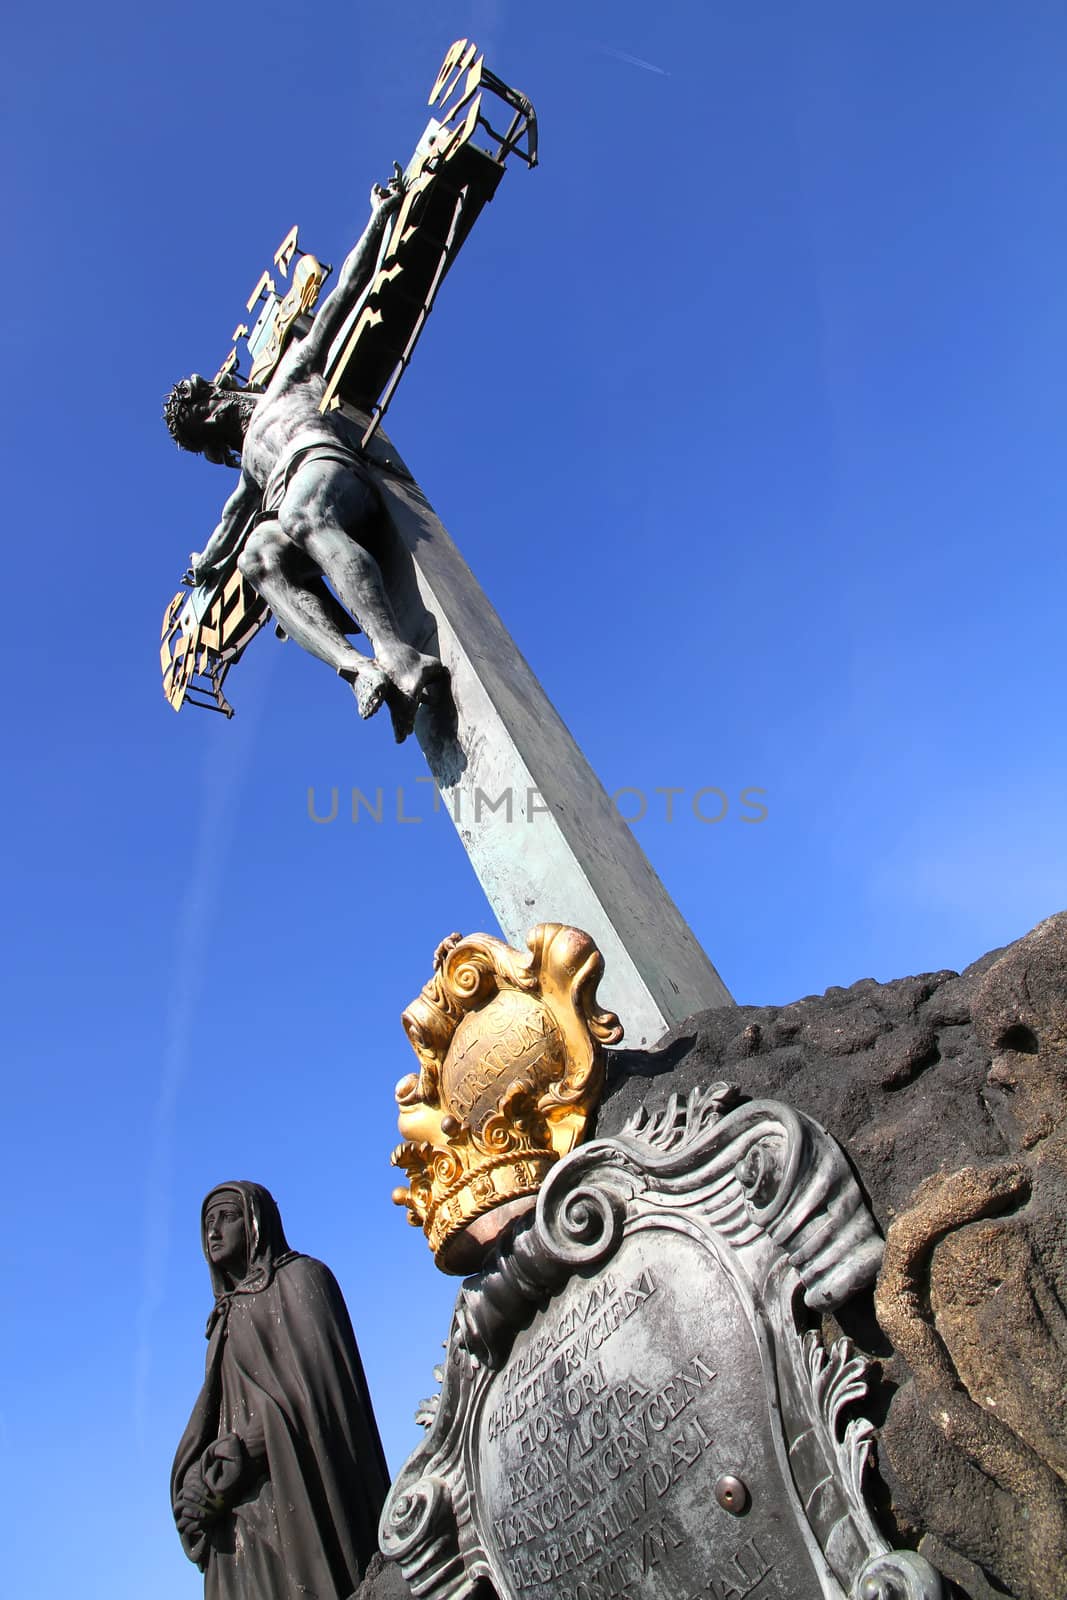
285 252
228 366
264 285
459 57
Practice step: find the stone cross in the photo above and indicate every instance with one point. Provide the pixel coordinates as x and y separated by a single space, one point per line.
541 833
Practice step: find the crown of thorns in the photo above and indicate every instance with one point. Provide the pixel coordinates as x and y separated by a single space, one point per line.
180 411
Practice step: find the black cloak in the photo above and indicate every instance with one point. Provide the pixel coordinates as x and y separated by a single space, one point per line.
284 1376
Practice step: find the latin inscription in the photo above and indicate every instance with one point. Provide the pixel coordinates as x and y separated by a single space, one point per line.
513 1043
615 1577
592 1458
742 1575
601 1441
554 1371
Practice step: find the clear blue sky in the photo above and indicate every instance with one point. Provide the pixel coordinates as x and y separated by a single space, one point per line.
747 407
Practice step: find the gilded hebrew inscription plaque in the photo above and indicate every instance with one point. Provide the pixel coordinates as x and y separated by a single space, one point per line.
632 1407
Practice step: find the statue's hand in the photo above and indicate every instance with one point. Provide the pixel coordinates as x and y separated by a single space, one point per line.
200 571
195 1507
194 1517
385 198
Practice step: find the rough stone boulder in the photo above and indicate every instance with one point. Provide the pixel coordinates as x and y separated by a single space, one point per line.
949 1093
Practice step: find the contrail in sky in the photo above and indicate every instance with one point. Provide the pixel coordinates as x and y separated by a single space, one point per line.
220 787
633 61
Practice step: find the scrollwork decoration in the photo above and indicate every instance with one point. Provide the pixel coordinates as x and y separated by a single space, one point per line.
511 1063
774 1200
583 1225
898 1575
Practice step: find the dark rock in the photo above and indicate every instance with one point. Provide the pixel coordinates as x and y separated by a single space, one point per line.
383 1580
949 1093
866 1062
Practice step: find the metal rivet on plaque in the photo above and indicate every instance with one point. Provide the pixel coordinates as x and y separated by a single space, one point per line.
731 1494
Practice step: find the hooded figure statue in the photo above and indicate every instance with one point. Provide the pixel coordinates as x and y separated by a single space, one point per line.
280 1476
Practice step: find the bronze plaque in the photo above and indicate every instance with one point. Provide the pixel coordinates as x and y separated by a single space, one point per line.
627 1400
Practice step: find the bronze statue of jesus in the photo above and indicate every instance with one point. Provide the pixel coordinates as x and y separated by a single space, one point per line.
315 505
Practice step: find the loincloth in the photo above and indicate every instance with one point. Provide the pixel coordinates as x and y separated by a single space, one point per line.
298 454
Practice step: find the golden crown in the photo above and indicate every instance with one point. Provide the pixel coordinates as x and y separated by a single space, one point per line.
511 1065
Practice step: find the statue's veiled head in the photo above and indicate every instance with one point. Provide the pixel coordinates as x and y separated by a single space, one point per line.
225 1234
209 418
242 1235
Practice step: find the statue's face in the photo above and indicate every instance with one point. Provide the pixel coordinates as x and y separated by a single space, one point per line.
209 418
197 396
224 1231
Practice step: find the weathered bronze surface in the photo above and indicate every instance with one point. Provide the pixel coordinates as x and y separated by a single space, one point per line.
510 1066
634 1406
280 1476
305 510
447 183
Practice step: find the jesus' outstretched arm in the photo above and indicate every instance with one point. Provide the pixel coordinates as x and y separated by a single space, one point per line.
235 513
353 278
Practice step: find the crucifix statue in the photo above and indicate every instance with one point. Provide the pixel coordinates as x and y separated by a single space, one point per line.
328 532
301 535
305 508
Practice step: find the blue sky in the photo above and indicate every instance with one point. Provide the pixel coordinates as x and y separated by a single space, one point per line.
747 408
